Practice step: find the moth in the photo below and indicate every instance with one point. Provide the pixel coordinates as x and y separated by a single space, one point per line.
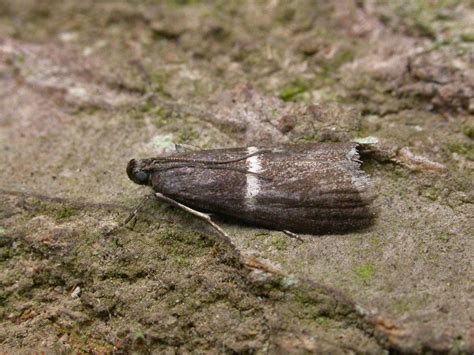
302 188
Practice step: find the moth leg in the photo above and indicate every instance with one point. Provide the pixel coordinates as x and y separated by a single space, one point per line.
203 216
132 215
293 235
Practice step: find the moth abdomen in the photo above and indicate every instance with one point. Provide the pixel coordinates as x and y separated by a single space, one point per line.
309 188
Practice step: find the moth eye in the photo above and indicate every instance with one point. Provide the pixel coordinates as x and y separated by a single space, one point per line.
141 177
136 174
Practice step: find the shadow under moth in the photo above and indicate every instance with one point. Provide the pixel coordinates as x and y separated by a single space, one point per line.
303 188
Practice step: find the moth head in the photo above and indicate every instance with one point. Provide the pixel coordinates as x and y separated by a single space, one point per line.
136 172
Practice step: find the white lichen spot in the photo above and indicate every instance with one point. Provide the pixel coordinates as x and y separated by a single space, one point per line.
366 140
68 36
77 91
76 293
289 282
362 311
163 143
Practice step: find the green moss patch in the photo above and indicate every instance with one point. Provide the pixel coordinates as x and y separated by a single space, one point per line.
365 272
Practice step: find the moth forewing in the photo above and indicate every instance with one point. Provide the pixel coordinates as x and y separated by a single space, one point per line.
307 188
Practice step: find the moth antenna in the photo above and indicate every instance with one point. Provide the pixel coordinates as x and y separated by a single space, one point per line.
212 162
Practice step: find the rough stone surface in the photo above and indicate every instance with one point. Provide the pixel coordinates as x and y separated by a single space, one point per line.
85 86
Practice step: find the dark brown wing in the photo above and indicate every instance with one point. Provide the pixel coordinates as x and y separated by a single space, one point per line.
310 188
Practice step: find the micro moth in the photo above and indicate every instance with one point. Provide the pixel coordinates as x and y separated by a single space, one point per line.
303 188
